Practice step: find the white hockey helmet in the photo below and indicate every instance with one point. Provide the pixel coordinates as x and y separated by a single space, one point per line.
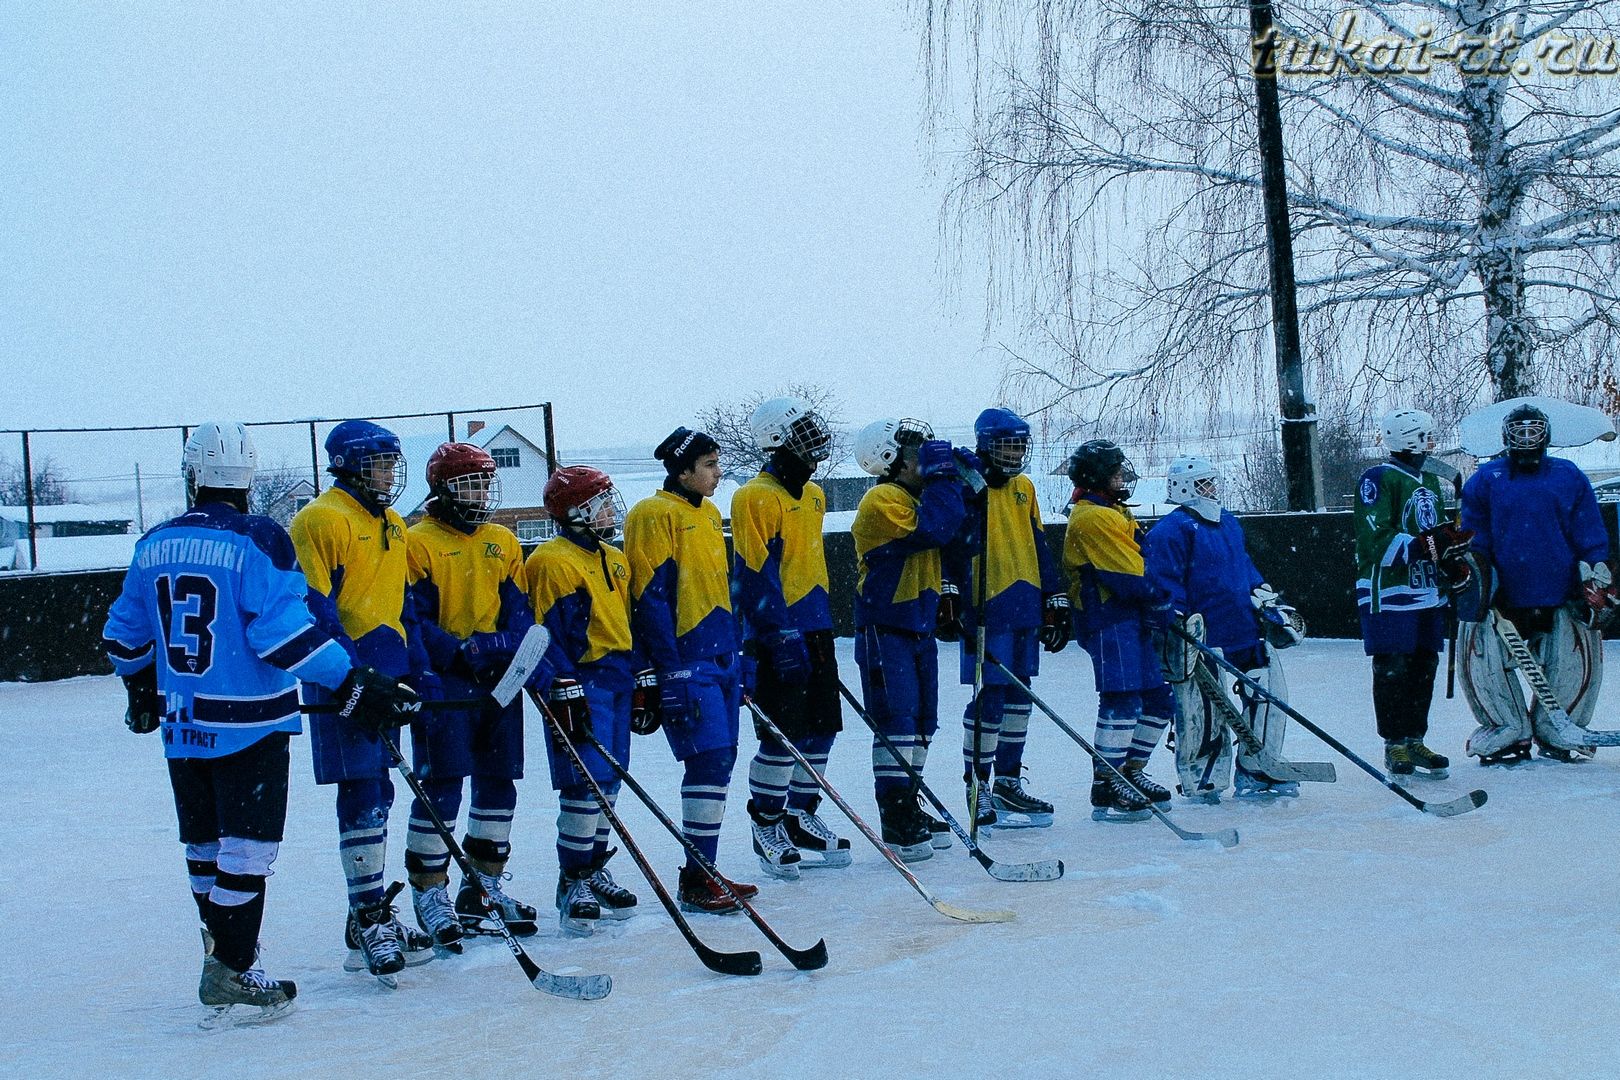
219 455
879 445
1192 478
1408 431
789 423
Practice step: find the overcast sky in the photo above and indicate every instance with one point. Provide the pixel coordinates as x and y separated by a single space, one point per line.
223 210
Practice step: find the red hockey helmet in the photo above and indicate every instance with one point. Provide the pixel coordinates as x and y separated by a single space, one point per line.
464 482
581 497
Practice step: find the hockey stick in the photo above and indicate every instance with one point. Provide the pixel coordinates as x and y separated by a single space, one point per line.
1224 837
804 959
726 963
980 584
1045 870
536 639
950 911
1274 767
1460 805
579 987
425 705
1533 674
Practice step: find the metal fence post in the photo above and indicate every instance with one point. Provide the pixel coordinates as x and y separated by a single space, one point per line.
28 500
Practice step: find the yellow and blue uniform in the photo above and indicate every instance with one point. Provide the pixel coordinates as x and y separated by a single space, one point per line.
782 581
898 536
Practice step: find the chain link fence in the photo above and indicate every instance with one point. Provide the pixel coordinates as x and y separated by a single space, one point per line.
78 498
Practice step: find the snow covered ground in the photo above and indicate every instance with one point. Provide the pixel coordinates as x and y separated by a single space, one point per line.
1347 935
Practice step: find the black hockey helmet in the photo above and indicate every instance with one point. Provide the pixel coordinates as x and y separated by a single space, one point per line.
1526 433
1093 464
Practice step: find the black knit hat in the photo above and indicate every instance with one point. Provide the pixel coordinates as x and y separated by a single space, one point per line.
682 448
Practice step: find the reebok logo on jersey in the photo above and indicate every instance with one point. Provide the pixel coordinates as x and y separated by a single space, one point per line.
448 554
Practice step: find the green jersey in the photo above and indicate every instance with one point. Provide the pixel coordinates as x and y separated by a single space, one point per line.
1393 505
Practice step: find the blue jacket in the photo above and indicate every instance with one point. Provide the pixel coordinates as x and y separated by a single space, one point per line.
1534 527
1206 568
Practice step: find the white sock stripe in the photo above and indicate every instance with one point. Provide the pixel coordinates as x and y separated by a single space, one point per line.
203 852
230 897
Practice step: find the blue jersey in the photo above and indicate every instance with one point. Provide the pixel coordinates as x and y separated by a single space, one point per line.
215 598
1206 568
1534 526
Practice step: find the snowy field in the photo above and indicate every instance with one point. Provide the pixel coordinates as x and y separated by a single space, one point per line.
1347 935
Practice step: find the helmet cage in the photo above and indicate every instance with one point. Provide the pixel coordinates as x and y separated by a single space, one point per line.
1006 452
601 515
912 433
809 437
474 495
1526 434
381 475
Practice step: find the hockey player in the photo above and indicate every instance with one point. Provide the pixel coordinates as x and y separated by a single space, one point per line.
1408 557
466 584
351 546
899 529
1025 607
580 585
786 616
1537 531
1196 556
684 625
1116 610
211 636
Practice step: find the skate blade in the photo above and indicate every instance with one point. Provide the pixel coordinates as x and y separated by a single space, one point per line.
781 873
698 909
1101 814
223 1017
940 841
913 852
576 928
830 860
448 948
1430 774
418 957
1208 798
610 914
1011 819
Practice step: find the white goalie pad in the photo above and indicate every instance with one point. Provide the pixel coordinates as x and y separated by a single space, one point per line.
1571 657
1203 744
1269 723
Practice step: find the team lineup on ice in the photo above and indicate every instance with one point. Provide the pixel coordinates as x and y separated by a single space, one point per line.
230 631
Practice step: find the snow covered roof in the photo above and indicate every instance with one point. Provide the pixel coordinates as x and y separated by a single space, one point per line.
47 515
58 553
418 448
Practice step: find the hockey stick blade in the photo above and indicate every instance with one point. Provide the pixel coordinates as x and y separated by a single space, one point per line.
724 963
950 911
1471 801
578 987
1600 738
1044 870
811 959
1315 772
524 660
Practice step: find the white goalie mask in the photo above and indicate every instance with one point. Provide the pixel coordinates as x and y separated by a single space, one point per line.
1195 483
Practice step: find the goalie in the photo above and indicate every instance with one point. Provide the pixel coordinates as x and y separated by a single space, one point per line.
1197 556
1544 559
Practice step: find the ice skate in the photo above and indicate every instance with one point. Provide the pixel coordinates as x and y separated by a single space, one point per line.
1155 792
1576 756
616 901
578 910
1426 762
701 894
939 833
1398 758
902 825
241 997
1114 799
777 855
1515 754
1247 785
818 845
374 943
475 919
981 804
1017 808
436 915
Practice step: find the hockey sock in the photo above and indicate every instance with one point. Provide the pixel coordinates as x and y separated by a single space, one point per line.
887 774
769 775
919 756
604 831
1117 714
200 869
427 860
1146 736
1010 748
235 911
362 811
703 800
489 821
576 826
804 791
978 761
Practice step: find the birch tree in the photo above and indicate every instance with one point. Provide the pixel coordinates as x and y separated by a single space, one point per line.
1452 171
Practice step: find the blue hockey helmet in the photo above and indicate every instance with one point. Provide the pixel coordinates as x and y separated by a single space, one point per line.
369 456
1002 438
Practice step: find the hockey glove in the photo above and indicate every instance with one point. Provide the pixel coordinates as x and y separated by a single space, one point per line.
427 684
569 707
376 702
145 705
1444 545
1264 596
1055 622
676 697
948 617
645 715
1600 592
969 469
486 655
935 460
1282 626
790 659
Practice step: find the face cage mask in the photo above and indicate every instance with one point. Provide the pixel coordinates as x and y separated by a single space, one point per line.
600 515
1126 478
368 474
476 496
1207 487
1528 436
1007 453
809 438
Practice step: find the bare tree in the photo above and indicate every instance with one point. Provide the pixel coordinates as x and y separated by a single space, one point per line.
1455 229
727 422
271 487
50 487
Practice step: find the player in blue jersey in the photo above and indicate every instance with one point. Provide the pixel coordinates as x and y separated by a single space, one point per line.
211 636
1538 534
352 547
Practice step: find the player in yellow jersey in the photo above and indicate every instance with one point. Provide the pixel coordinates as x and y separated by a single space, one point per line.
1025 606
786 616
580 585
1116 610
467 586
683 624
351 546
899 529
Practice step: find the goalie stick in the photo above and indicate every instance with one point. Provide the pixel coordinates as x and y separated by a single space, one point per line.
1316 772
1568 730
